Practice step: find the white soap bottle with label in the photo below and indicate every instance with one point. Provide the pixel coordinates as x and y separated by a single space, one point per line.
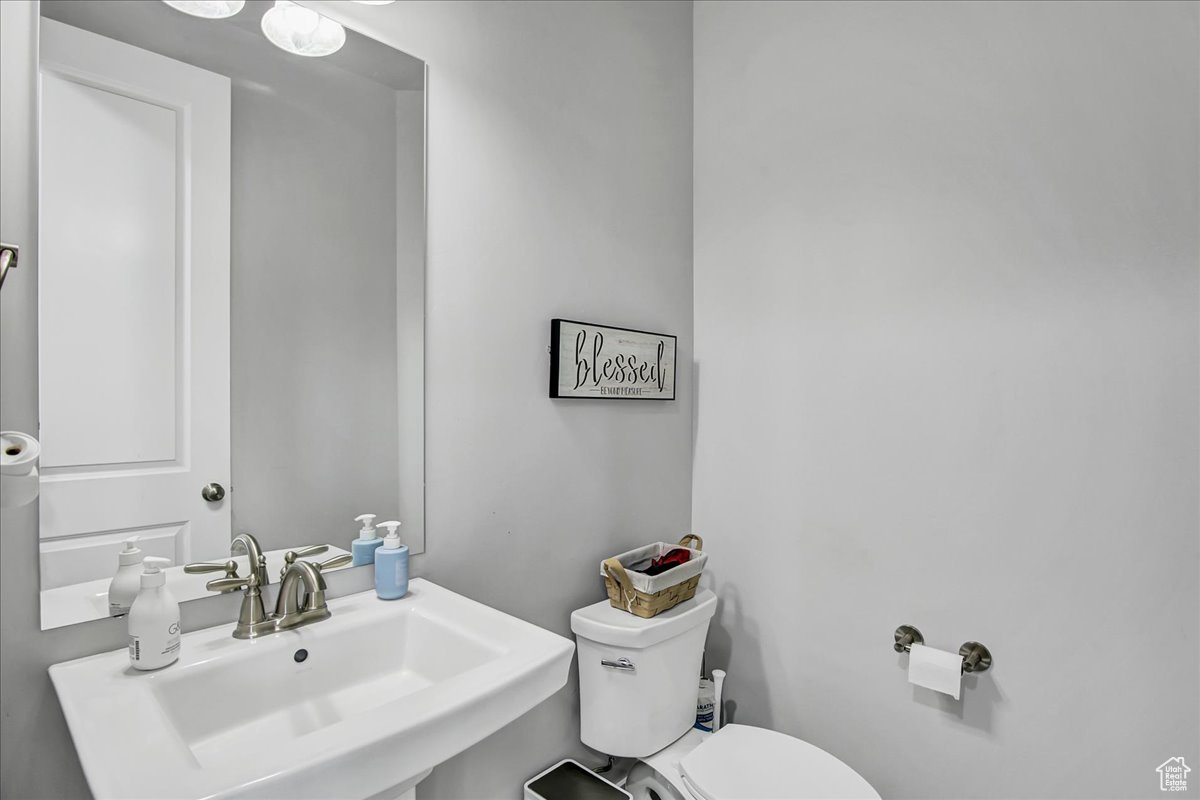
154 619
125 584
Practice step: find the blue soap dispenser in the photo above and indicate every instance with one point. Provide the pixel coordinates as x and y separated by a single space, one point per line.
391 565
363 548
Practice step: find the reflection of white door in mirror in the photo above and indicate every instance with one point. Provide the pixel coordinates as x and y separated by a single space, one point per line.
134 231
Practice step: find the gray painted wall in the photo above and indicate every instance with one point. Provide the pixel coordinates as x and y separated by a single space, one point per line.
559 185
946 335
314 361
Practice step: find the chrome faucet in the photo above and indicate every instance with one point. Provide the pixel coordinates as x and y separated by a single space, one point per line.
245 543
253 619
301 599
253 550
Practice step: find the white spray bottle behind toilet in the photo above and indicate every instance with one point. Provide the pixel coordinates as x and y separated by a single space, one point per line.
718 688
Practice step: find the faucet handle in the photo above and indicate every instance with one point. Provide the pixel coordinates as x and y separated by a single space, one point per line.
305 552
292 556
229 567
228 584
336 561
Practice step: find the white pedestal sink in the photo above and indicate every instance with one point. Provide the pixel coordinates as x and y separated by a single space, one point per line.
361 705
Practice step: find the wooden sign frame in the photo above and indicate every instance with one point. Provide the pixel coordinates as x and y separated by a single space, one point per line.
588 360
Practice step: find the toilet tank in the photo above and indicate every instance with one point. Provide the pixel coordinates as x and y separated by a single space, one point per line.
639 705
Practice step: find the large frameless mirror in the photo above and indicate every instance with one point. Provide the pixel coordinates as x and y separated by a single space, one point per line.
231 279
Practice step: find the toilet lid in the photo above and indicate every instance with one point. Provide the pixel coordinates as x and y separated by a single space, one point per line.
741 762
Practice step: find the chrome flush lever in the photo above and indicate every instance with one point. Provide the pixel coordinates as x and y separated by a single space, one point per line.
620 663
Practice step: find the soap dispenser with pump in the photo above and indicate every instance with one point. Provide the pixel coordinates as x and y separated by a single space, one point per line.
363 548
391 565
125 584
154 619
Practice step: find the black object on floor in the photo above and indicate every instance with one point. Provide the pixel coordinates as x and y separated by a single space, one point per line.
569 781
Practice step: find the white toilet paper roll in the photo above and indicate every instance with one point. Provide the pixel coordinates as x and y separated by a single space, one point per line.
18 468
935 669
17 490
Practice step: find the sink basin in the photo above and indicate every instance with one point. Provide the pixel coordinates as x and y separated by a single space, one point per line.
364 703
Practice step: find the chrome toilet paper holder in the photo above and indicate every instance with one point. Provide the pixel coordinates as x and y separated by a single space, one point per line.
976 657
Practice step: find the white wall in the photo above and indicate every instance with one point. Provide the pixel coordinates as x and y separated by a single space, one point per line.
559 185
946 339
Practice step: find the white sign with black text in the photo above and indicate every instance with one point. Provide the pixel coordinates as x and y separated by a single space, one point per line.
599 361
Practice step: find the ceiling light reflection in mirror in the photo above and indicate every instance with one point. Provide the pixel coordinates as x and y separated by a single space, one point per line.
288 26
208 9
301 30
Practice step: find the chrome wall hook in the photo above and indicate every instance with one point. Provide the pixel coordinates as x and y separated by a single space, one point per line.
906 637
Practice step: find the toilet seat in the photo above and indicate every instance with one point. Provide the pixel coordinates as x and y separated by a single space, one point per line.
742 762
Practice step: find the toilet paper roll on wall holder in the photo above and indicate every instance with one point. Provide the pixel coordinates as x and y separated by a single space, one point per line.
976 657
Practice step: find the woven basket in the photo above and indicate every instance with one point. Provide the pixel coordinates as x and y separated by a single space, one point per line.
625 594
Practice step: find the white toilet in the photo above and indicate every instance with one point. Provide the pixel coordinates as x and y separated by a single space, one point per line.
637 697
